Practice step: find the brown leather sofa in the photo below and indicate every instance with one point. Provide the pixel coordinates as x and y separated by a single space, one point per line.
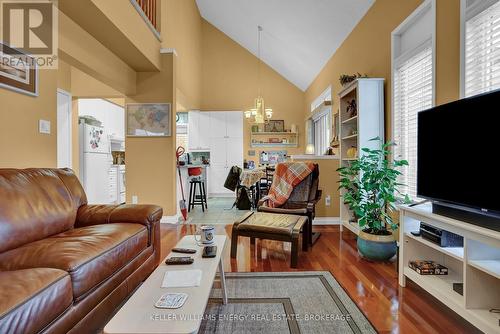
65 266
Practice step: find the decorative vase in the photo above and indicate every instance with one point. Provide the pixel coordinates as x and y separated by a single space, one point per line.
376 247
352 152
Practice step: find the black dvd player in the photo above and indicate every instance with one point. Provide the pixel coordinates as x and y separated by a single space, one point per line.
440 237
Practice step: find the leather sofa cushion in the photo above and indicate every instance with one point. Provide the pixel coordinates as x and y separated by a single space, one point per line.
31 299
37 203
89 254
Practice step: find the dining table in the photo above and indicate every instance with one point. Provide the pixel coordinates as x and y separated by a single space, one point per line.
250 179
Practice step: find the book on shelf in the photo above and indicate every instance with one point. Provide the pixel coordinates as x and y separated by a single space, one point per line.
424 267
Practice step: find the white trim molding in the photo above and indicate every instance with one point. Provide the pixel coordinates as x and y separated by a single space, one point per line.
168 51
170 219
326 221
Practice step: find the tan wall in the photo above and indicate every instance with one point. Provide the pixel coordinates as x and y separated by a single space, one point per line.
182 30
81 50
229 82
21 145
151 161
367 50
328 178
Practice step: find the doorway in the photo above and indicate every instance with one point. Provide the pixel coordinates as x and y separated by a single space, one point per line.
64 117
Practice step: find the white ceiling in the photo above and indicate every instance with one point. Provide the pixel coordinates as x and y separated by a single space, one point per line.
299 36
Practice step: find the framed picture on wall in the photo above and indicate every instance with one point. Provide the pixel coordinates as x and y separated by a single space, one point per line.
274 126
18 71
148 119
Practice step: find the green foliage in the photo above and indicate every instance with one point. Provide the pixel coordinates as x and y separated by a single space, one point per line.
371 188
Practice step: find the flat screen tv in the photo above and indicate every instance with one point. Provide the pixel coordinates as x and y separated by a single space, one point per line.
459 159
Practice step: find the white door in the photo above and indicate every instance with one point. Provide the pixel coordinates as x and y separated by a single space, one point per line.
217 124
63 129
234 152
234 124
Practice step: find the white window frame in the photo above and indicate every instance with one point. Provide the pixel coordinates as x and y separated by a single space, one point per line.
326 95
397 60
475 9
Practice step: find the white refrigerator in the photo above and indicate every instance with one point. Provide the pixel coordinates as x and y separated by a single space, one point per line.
95 164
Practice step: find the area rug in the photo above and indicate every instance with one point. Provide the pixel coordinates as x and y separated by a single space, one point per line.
295 302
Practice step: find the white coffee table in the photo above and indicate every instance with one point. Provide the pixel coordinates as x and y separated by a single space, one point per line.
139 315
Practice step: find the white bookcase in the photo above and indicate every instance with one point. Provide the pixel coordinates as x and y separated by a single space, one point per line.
357 130
476 265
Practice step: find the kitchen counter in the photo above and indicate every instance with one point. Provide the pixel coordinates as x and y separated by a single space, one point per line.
194 166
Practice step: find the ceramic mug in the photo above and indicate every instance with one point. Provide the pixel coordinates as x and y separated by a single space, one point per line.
205 234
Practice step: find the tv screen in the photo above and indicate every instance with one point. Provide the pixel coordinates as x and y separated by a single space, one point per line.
458 153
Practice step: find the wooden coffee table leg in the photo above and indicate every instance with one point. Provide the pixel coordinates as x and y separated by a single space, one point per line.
223 282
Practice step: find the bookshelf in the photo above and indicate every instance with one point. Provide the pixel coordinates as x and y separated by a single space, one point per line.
357 128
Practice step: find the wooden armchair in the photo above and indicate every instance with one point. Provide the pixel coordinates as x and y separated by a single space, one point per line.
302 202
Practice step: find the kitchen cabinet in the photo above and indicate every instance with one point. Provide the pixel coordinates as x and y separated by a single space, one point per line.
226 148
198 131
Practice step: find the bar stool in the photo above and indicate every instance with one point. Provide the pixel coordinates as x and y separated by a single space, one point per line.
196 183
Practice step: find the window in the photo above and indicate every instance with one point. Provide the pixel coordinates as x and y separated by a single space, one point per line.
322 127
412 87
481 47
412 93
182 129
320 123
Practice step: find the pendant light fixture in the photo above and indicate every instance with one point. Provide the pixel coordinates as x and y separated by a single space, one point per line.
259 113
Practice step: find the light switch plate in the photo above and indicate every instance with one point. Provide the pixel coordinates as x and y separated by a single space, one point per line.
134 199
44 126
328 200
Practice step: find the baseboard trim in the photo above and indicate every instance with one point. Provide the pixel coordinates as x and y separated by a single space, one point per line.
170 219
326 221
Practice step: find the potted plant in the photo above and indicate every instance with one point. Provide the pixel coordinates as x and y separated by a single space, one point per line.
371 192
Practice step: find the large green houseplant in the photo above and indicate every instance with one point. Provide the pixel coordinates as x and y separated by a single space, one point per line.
371 192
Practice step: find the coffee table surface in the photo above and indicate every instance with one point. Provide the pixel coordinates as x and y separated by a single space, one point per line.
139 315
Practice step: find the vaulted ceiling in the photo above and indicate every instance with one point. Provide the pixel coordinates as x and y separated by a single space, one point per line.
299 36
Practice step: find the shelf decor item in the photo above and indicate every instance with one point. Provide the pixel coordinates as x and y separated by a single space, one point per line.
274 126
18 71
352 108
346 78
370 189
148 119
352 152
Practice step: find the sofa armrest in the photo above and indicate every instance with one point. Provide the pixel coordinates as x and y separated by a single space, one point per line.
103 214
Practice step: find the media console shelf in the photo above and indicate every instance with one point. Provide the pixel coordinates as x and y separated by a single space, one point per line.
476 265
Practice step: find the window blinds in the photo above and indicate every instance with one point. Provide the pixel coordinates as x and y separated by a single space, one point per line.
413 92
482 51
321 134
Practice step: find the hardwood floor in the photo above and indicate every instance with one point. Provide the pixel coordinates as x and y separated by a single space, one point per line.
372 286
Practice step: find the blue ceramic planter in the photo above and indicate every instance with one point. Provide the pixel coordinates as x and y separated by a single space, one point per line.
376 247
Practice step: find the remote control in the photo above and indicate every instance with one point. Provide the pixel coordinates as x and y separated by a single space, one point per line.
179 260
184 250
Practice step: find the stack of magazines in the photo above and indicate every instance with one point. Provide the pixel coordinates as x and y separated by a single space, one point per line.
424 267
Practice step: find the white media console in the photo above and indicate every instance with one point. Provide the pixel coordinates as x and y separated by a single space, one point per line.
476 265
